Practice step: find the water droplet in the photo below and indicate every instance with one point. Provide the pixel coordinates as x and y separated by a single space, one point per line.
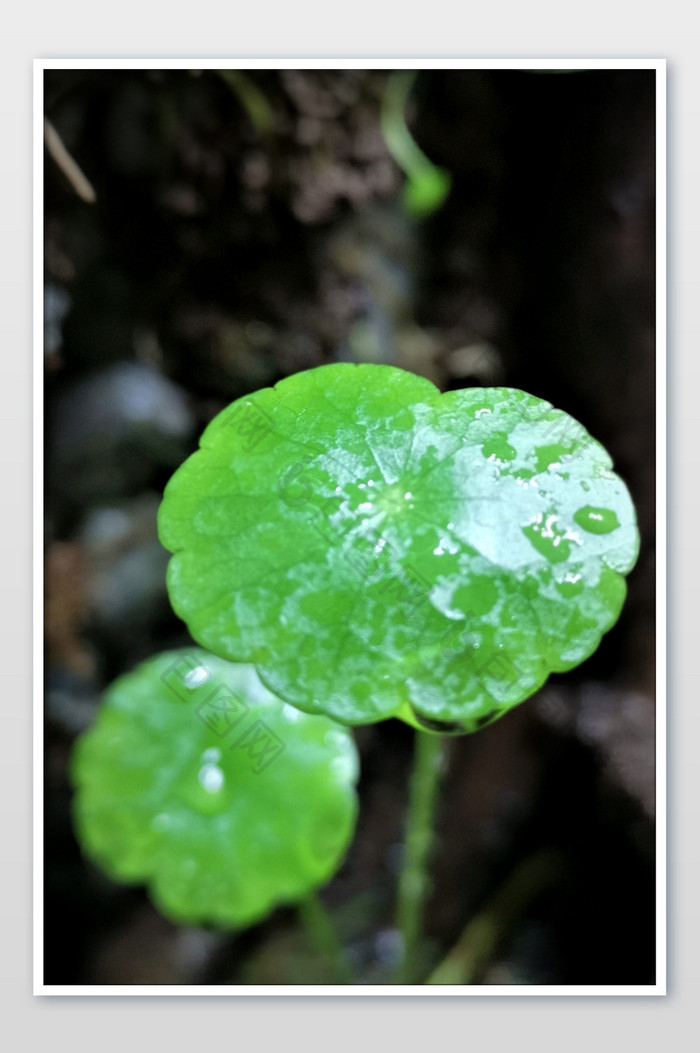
570 585
549 541
486 719
196 677
343 768
204 788
441 727
547 530
211 778
596 520
335 740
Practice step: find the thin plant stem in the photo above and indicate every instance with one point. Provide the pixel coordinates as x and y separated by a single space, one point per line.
413 881
70 168
402 146
323 934
480 939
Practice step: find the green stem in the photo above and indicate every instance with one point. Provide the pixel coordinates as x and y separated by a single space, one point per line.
426 186
323 934
482 936
402 146
413 882
250 97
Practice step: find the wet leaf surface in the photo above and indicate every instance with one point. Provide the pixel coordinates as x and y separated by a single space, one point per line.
380 549
225 800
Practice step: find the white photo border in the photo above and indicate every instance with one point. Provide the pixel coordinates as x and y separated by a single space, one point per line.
609 990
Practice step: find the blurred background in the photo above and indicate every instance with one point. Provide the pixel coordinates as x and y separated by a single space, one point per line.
210 232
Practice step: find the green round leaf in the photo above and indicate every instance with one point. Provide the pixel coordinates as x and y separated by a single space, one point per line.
225 800
380 549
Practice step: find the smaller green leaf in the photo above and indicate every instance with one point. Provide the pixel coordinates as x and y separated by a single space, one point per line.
197 780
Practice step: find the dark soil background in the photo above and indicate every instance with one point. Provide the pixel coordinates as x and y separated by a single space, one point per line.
248 227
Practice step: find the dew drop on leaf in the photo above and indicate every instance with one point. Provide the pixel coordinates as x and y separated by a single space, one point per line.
596 520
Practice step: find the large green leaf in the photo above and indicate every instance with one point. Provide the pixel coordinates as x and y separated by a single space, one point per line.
225 800
380 549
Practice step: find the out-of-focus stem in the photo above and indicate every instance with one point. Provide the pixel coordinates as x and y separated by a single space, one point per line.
323 934
481 937
413 882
